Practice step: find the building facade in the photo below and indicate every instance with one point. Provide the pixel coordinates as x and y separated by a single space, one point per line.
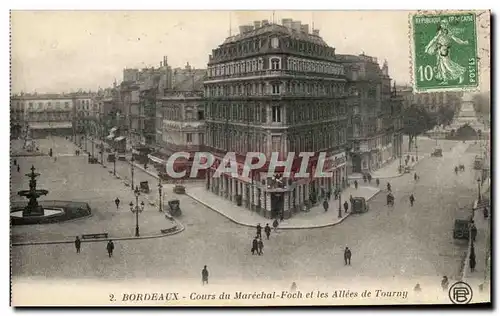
275 88
431 101
375 129
43 114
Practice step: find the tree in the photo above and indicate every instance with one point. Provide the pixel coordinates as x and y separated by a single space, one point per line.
482 103
445 115
416 120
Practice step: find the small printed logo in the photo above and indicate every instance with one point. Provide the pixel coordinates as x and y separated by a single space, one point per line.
460 293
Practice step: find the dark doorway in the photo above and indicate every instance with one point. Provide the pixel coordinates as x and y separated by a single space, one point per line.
356 163
277 203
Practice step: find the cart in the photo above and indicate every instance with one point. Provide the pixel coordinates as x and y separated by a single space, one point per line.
174 206
111 157
144 186
390 199
461 229
438 152
359 205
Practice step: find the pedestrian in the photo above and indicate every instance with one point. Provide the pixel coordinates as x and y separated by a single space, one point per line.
15 162
388 187
329 195
412 159
377 181
445 283
356 184
364 178
485 212
259 231
473 231
351 198
117 202
267 230
325 205
110 247
18 168
260 246
347 256
472 262
204 275
275 225
282 216
346 206
78 243
255 246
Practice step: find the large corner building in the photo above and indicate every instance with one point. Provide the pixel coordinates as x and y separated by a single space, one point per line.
275 88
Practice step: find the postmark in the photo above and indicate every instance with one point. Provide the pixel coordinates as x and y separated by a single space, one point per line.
444 51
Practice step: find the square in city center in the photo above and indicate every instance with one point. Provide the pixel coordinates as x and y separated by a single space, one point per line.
444 51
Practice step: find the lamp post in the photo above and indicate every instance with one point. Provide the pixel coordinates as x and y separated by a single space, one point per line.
114 164
160 187
416 147
131 170
92 140
340 205
478 191
85 135
137 209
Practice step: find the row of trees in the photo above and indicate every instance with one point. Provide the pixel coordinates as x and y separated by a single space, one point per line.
417 120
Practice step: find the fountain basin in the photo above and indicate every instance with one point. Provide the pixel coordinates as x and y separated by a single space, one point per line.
54 212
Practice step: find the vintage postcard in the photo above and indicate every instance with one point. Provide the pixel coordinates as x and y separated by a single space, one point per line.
250 158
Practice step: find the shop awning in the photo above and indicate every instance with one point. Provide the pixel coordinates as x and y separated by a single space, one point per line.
110 137
50 125
119 139
156 159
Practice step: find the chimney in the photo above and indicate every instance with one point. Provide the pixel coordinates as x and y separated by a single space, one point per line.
242 29
256 24
265 22
161 64
316 32
287 23
296 25
165 63
305 28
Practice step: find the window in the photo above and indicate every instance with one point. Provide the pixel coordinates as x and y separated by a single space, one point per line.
276 113
275 63
276 88
30 105
49 105
189 138
66 105
201 115
201 138
58 105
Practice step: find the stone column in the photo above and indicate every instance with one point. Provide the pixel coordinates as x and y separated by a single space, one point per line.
286 204
233 188
222 187
255 197
268 205
262 198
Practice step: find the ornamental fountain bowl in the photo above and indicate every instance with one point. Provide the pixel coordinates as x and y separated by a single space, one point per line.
53 211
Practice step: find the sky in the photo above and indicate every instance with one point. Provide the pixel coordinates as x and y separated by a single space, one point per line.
56 51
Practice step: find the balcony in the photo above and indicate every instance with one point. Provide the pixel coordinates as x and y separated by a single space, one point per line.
269 73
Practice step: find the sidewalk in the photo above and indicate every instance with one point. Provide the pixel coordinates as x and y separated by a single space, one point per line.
390 170
315 218
481 246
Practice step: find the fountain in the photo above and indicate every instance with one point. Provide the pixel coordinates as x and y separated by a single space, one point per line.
33 208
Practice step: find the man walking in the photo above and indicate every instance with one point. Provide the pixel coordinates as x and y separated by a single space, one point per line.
204 276
267 230
346 206
117 202
275 225
259 231
78 243
110 247
325 205
347 256
261 246
255 246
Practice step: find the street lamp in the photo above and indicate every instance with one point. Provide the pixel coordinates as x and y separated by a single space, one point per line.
340 205
92 139
137 209
114 164
160 187
478 191
132 170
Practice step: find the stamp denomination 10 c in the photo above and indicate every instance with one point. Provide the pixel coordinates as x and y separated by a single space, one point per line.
444 51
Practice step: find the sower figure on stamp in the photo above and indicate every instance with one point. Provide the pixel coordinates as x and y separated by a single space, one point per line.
78 244
110 247
347 256
204 275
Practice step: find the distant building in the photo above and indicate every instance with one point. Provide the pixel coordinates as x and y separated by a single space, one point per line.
375 135
430 101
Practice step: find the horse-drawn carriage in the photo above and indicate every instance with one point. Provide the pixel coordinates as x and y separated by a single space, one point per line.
144 186
390 199
359 205
438 152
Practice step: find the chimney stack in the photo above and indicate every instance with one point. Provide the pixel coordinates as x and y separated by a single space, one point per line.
316 32
304 28
296 25
287 23
265 22
256 24
161 64
242 29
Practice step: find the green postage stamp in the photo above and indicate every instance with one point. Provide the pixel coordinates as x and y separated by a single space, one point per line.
444 51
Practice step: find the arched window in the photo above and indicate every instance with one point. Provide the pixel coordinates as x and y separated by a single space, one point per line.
275 63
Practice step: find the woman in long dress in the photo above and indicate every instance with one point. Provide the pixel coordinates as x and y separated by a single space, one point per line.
440 46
